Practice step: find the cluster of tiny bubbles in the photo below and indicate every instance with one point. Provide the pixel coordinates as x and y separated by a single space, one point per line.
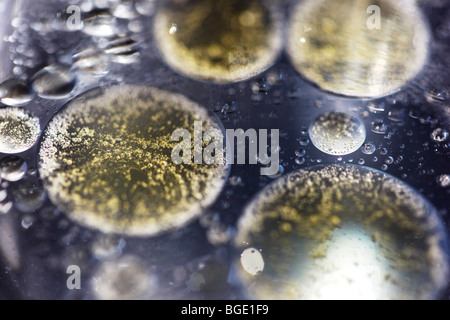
337 133
15 92
124 278
341 232
19 130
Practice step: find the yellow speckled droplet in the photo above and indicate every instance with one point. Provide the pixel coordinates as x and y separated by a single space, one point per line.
102 167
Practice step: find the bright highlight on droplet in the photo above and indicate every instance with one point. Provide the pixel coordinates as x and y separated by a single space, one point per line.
220 41
343 232
105 160
337 133
330 44
19 130
252 261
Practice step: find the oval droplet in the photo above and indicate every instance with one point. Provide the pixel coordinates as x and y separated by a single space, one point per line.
55 81
15 92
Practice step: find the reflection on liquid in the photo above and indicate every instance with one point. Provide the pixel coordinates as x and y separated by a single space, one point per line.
332 44
337 232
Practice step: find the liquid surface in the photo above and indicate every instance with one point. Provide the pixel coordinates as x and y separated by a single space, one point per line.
220 41
106 161
337 45
342 232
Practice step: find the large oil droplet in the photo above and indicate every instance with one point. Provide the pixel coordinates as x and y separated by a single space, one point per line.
220 41
55 81
12 168
19 130
343 232
337 133
15 92
106 161
336 45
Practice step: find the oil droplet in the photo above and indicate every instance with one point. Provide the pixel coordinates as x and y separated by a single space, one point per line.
444 180
55 81
337 133
106 161
126 278
15 92
379 127
27 222
12 168
125 10
351 233
122 50
252 261
341 54
145 7
439 135
28 197
220 41
6 207
91 61
99 23
19 130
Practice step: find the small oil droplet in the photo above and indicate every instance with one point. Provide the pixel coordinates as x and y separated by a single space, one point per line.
337 133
